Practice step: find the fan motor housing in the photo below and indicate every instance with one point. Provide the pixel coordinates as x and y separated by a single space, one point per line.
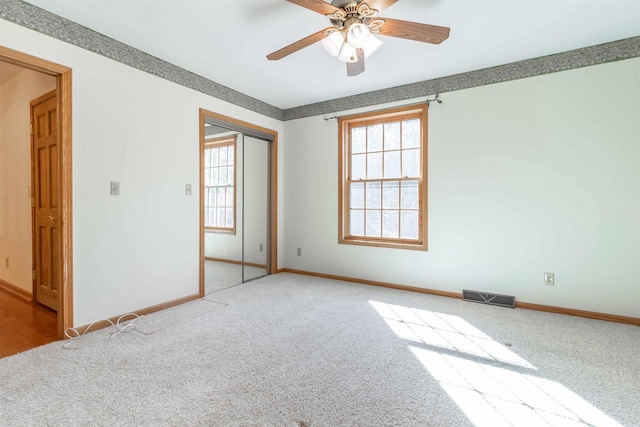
351 15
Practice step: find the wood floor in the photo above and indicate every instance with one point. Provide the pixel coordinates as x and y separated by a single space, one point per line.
24 325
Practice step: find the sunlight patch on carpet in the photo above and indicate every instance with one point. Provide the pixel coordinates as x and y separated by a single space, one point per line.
495 396
445 331
491 384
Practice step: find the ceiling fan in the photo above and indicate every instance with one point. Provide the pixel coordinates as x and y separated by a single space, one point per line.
350 38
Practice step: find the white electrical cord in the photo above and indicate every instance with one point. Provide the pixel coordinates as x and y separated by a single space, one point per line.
119 327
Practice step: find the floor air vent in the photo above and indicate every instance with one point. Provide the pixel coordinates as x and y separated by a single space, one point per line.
487 298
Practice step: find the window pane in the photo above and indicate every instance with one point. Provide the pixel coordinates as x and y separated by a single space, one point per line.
356 196
221 196
374 228
207 177
392 164
214 176
374 138
411 163
359 166
374 166
411 133
207 158
229 197
391 195
231 155
230 175
223 156
356 222
358 140
220 220
223 176
409 199
215 153
211 200
392 136
229 218
211 217
409 224
391 224
374 195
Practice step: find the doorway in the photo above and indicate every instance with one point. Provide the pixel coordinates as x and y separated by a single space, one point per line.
238 202
60 241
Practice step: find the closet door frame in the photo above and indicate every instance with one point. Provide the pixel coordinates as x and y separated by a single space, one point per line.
259 132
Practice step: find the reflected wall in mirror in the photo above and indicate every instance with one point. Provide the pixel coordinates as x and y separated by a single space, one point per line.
255 207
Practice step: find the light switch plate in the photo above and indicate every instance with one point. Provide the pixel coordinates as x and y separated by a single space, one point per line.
115 188
188 189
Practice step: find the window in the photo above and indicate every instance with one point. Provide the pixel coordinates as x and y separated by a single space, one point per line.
220 184
383 172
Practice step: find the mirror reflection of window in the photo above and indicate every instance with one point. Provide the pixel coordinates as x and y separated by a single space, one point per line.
220 184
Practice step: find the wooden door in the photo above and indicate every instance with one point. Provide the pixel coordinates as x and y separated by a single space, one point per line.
45 174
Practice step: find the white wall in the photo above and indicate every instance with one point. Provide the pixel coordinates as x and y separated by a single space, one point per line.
142 247
525 177
535 175
252 158
15 174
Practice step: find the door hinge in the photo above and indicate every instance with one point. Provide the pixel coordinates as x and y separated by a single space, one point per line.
33 276
31 127
33 202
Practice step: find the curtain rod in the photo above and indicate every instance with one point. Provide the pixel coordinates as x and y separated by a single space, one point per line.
436 99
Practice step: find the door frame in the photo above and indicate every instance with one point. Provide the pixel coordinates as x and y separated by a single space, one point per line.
273 190
63 77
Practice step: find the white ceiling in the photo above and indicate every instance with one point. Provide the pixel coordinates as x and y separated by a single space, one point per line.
227 40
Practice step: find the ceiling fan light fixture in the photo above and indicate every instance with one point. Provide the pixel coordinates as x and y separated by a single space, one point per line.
354 23
333 43
358 34
371 45
348 53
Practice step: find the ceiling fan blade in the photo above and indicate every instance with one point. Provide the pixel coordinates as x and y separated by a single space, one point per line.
319 6
414 31
355 68
300 44
379 5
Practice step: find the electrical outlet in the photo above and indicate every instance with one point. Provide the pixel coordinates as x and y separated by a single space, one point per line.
299 251
549 279
261 247
188 190
115 188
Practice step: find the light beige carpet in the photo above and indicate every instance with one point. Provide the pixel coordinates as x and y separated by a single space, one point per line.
290 350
